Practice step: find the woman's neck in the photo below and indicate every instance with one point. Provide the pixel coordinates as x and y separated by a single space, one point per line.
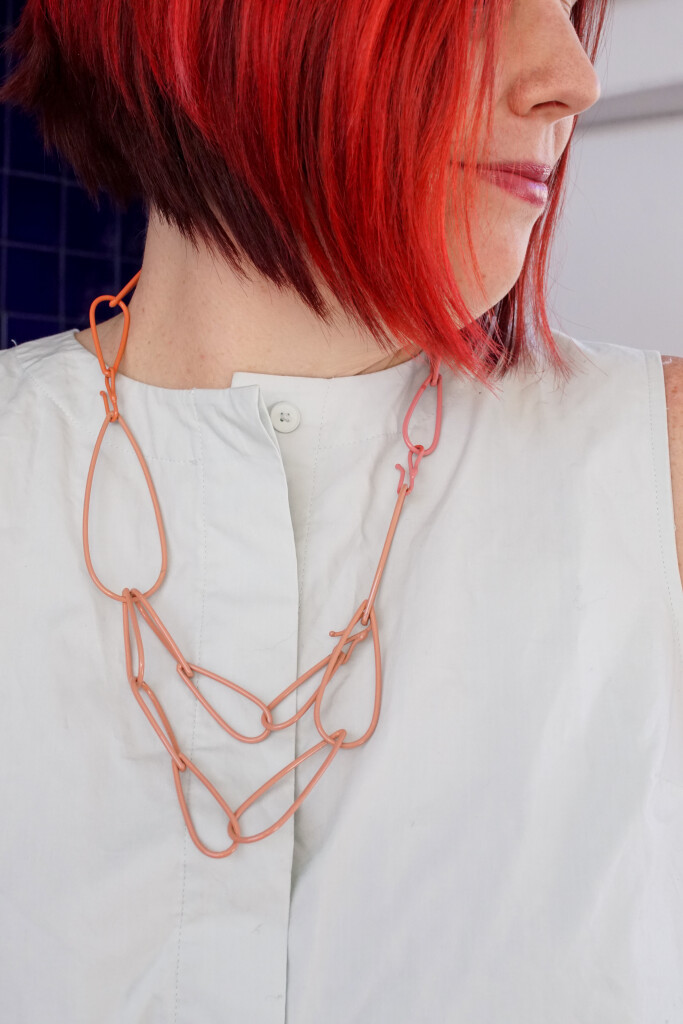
193 323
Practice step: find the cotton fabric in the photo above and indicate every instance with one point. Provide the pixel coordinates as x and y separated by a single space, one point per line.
508 845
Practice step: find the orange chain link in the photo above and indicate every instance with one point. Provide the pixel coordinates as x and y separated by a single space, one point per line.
135 603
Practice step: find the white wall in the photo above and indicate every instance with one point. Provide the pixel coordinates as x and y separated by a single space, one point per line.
617 268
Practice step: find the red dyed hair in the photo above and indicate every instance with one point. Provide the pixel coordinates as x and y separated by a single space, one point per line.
318 132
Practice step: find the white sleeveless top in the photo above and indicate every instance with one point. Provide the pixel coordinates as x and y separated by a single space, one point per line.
507 846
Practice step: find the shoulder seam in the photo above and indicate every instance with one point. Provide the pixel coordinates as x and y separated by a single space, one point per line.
26 373
16 363
650 358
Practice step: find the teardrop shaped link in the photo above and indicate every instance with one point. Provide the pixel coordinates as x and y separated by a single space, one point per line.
334 664
137 682
86 510
238 689
230 814
337 744
168 740
114 300
336 652
290 689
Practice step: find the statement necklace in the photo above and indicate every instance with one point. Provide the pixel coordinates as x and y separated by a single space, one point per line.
135 603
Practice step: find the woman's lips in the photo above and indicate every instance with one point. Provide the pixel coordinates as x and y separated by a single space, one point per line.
535 192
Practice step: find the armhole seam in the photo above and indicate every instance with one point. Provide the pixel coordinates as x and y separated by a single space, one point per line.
664 511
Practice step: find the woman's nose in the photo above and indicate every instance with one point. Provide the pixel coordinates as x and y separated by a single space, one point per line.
550 68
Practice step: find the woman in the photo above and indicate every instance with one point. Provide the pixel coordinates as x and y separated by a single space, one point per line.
325 246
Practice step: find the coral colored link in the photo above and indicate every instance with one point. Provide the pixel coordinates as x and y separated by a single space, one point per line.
337 737
138 683
153 495
418 449
135 604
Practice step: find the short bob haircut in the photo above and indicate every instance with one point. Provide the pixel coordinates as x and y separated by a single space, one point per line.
320 133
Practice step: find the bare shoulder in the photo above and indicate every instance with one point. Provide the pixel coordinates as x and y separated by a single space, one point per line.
673 383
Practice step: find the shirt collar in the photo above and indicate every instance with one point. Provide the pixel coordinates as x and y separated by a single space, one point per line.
342 410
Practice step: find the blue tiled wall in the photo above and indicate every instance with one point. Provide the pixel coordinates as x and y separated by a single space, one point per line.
58 251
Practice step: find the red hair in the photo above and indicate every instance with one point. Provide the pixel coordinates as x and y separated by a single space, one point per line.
319 133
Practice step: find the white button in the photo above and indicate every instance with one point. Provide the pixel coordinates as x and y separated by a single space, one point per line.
285 417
